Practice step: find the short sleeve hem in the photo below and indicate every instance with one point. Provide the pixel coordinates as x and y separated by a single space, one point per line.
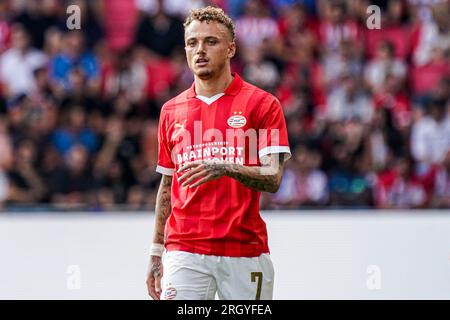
275 149
164 170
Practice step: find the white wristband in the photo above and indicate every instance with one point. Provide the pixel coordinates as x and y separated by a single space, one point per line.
157 249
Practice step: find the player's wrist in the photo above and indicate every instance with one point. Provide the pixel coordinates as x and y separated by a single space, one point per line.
226 168
157 249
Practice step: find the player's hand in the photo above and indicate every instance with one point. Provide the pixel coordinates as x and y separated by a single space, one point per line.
155 273
202 171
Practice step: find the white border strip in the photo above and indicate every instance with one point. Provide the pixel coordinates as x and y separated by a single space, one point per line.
164 170
275 149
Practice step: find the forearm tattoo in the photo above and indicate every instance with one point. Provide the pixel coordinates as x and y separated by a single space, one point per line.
156 267
265 178
163 208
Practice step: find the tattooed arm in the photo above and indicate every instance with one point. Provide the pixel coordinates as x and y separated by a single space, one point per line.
162 212
266 177
163 208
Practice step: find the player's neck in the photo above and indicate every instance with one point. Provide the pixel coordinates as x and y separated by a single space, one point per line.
213 86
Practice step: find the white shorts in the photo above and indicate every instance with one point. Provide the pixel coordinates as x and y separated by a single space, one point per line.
191 276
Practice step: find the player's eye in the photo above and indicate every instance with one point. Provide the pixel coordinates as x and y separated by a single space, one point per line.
212 42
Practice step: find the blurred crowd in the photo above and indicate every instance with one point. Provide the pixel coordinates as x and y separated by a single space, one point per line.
368 110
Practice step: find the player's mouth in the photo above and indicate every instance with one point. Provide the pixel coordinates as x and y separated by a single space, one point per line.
201 62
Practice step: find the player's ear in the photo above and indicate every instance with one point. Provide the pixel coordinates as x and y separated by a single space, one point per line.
231 49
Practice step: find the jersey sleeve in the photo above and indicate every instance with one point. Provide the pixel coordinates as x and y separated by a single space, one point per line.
273 136
165 164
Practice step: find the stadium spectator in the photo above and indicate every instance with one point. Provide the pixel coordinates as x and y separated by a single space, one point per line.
393 97
74 180
434 35
303 184
441 191
350 175
160 32
399 187
125 73
345 62
74 132
38 17
74 56
350 185
6 159
430 137
349 101
90 18
53 41
298 31
118 20
385 140
260 72
18 63
256 28
25 184
136 198
336 27
118 155
384 65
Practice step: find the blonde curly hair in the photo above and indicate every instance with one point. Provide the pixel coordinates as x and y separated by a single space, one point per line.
211 14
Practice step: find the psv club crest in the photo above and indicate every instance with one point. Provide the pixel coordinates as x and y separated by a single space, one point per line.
170 293
237 120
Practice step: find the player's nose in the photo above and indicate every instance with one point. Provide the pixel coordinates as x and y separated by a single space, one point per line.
201 48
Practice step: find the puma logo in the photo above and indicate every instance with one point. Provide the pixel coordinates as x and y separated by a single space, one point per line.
179 128
180 125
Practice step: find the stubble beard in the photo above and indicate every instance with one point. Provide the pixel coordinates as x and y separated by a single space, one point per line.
205 74
209 73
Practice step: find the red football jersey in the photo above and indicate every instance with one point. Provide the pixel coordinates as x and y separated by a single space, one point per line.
219 217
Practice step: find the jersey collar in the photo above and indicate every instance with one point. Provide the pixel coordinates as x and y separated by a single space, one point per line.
232 90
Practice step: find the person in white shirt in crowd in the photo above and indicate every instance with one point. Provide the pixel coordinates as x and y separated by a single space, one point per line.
18 63
256 28
377 71
441 194
434 34
430 136
349 102
345 61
